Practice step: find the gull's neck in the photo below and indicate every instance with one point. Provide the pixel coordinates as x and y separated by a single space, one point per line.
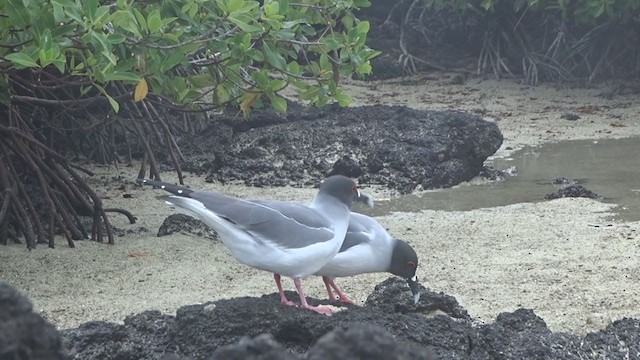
331 208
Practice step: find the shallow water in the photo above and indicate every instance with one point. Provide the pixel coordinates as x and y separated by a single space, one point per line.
610 168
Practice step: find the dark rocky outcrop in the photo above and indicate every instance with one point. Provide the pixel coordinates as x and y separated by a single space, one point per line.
262 329
24 334
181 223
394 146
572 191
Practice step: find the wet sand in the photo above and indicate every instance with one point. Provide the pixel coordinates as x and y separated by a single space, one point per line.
547 256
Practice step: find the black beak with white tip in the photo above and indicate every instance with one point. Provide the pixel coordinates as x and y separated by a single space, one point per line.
365 198
415 288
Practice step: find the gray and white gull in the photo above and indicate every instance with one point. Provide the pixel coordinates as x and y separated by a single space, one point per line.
369 248
283 238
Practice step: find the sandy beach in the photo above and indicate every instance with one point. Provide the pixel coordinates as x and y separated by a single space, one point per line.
547 256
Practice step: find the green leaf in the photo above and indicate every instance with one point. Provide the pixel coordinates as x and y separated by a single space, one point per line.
331 44
364 68
272 10
174 59
272 56
261 78
284 6
283 34
125 20
278 103
75 13
273 24
361 3
142 22
294 68
222 4
58 12
115 39
242 21
193 11
90 9
363 27
202 81
325 64
154 22
234 5
22 59
343 98
171 38
168 20
101 39
222 94
122 76
347 21
18 13
292 24
246 40
45 40
101 15
277 85
112 101
60 63
48 56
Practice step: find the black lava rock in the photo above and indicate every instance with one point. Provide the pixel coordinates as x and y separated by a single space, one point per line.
24 334
262 328
181 223
262 347
572 191
570 116
393 146
394 295
563 181
366 342
346 166
493 174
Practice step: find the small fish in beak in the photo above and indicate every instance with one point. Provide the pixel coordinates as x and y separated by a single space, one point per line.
415 288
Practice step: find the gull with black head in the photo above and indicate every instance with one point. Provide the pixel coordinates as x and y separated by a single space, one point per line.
283 238
369 248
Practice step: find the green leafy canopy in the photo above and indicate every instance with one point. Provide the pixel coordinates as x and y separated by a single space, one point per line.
193 52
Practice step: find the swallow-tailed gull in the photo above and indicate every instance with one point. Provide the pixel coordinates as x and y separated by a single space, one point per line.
284 238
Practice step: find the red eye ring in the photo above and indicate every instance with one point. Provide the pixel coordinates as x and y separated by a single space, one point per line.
411 264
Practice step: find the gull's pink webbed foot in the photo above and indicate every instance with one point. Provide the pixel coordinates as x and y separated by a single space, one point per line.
322 309
342 297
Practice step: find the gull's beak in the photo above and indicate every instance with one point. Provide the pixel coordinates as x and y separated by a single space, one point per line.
365 198
415 288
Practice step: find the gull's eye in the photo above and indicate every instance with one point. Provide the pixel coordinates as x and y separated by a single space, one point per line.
354 187
411 265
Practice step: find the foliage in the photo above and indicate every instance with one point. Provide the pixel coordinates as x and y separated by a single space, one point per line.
540 39
584 11
187 49
108 79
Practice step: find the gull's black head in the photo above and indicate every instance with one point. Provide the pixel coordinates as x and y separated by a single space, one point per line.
404 260
341 188
404 263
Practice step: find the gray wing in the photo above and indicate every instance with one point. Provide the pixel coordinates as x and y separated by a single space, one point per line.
287 225
359 231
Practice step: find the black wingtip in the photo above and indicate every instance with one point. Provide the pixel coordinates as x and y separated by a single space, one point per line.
174 189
